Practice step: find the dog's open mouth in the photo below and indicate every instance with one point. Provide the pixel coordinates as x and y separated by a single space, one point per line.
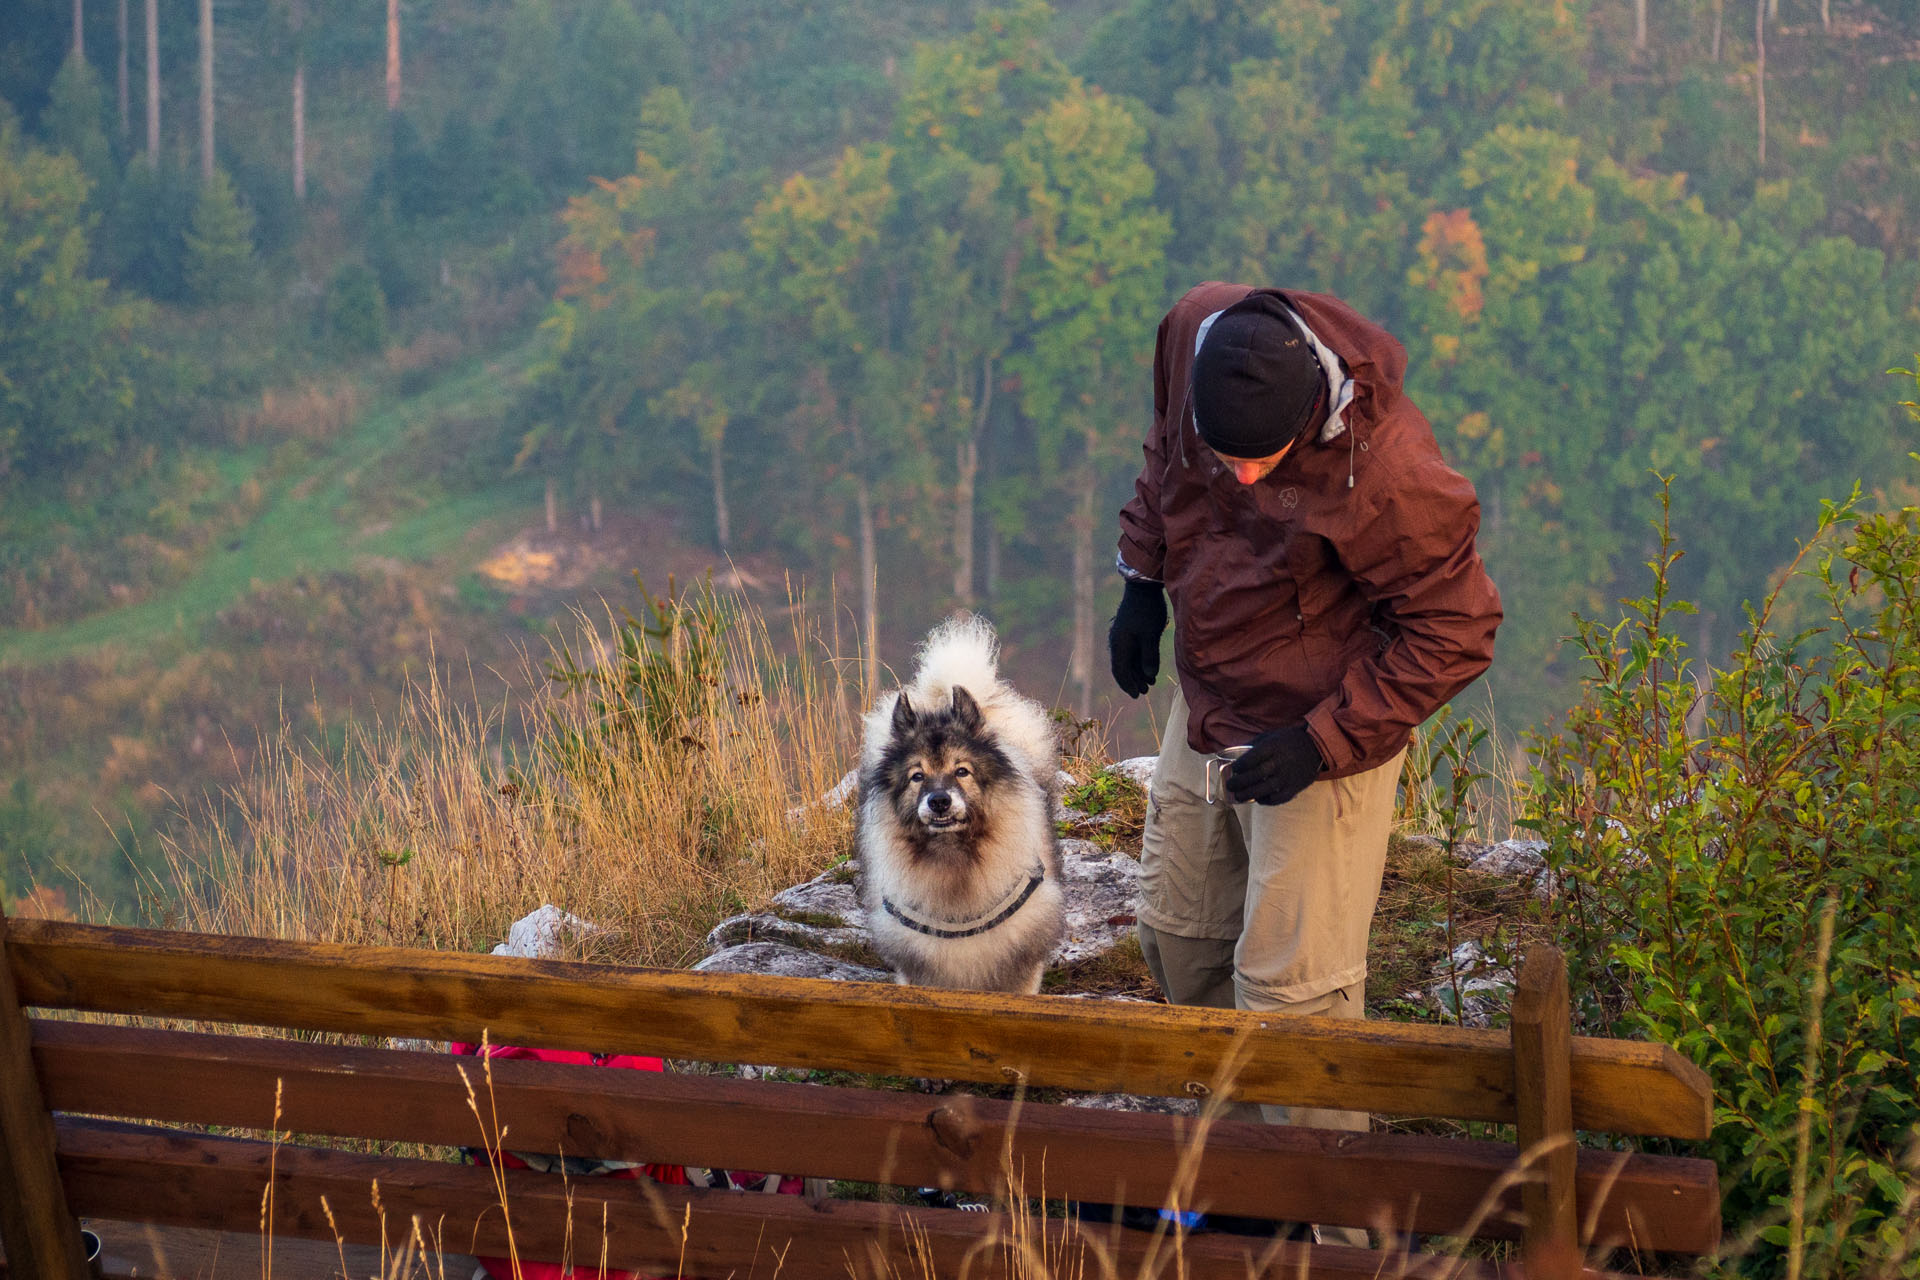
949 823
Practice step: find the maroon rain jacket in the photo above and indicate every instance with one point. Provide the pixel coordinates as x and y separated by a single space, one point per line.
1358 606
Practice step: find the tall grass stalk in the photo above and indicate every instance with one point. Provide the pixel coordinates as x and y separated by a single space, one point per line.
651 804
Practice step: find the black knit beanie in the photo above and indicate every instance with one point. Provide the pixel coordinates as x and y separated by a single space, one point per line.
1256 381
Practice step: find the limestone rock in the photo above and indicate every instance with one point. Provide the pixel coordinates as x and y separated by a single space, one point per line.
1134 1103
1138 768
1103 891
1512 858
1486 987
765 926
787 962
538 934
829 894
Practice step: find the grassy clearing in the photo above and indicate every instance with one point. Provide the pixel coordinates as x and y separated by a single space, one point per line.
648 792
318 518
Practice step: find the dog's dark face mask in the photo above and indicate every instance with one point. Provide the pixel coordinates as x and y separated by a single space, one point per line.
939 772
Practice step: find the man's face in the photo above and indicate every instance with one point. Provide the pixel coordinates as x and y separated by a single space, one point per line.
1253 470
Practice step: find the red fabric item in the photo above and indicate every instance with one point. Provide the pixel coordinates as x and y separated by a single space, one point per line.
672 1175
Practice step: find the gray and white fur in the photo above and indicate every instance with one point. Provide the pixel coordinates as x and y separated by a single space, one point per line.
959 859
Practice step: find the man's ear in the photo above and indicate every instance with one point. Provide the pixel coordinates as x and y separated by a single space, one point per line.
903 717
966 712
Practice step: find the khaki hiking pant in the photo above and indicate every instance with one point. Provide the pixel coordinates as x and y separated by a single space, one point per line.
1264 907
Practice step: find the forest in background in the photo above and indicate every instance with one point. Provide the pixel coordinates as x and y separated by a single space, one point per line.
867 292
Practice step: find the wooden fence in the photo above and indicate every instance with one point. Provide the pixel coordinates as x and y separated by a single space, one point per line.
90 1114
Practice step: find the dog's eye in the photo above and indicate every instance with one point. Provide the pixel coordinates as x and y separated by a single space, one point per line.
916 776
963 772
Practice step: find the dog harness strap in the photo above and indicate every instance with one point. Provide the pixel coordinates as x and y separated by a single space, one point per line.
1035 879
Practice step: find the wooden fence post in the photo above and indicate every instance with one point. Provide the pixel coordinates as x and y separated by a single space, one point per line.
41 1235
1543 1099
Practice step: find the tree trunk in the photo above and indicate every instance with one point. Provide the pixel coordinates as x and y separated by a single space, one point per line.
964 491
79 30
153 83
594 509
295 19
1702 678
869 592
1080 666
206 90
1760 74
1639 24
1719 23
553 507
300 128
966 466
120 71
992 583
722 522
393 55
1826 15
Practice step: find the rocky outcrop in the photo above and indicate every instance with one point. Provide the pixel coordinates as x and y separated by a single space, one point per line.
823 917
788 962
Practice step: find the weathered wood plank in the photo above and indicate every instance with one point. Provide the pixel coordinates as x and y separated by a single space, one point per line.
190 1180
1429 1185
1543 1091
143 1251
37 1228
1092 1045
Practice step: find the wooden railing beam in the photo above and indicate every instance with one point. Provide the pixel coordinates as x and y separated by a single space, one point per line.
883 1029
1418 1183
1543 1097
41 1235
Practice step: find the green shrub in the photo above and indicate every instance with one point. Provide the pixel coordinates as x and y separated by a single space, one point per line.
1695 870
220 265
356 309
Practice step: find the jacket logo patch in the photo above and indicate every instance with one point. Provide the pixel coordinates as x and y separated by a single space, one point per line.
1289 497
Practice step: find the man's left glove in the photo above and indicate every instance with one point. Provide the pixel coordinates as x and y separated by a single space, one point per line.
1278 765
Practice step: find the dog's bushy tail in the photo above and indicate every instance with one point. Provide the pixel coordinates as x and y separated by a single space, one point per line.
962 652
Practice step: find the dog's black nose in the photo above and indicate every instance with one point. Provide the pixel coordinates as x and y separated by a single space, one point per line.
940 802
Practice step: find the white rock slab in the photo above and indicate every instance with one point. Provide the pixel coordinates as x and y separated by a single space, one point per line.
825 894
764 926
539 935
787 962
1103 893
1512 858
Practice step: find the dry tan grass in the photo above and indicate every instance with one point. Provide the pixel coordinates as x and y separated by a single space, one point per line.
652 809
311 411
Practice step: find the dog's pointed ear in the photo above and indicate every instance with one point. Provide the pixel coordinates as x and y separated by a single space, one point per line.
903 716
966 712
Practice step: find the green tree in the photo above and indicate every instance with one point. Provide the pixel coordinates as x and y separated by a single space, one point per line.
961 240
75 120
1092 285
641 341
220 265
818 246
617 58
356 310
72 362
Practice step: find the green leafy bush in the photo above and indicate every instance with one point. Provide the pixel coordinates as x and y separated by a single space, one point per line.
1707 840
357 309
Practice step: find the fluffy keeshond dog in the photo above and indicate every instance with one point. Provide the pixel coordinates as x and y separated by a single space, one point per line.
959 859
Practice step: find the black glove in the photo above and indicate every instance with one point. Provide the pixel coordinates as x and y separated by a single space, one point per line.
1133 641
1279 765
